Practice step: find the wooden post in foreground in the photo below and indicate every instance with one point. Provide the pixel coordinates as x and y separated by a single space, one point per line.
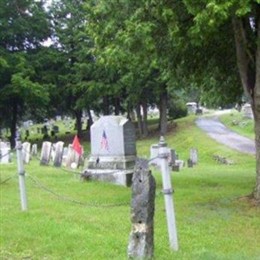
163 154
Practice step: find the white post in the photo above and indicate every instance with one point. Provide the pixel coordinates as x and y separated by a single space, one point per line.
21 175
163 154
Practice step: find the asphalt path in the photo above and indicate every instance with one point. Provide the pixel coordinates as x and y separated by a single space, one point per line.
216 130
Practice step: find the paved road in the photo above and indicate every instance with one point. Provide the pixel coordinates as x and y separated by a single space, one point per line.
222 134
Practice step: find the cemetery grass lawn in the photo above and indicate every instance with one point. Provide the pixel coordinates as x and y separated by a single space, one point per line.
215 220
236 122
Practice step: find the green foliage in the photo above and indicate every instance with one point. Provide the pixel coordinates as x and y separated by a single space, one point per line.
177 109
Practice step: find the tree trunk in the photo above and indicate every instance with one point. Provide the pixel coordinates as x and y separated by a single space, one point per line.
163 112
249 70
139 120
90 119
145 126
13 124
106 105
78 114
117 105
256 109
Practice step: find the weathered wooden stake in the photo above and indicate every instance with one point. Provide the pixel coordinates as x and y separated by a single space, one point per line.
141 242
167 190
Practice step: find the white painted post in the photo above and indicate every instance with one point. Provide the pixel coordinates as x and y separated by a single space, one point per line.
21 175
163 154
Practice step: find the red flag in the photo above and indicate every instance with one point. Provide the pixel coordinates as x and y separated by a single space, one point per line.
76 145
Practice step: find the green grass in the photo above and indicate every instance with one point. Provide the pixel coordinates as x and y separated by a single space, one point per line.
214 220
238 123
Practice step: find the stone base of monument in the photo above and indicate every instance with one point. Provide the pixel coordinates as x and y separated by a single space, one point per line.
115 169
120 177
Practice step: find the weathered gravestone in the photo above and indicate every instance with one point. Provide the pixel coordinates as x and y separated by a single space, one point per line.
34 150
64 156
58 154
193 156
45 153
113 150
72 157
154 159
247 111
5 152
26 152
141 240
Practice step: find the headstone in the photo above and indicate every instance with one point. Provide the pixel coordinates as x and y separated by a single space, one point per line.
5 153
72 157
173 157
26 152
191 107
247 111
141 240
64 156
194 155
58 154
34 150
154 155
45 153
113 150
155 161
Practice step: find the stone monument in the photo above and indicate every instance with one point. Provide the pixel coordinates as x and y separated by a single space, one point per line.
113 150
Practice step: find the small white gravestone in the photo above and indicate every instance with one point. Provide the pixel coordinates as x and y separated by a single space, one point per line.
34 150
26 152
58 154
154 160
45 153
72 157
5 153
64 156
113 150
247 111
194 156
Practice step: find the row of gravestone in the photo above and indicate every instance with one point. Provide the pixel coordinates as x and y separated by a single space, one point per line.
59 155
173 158
55 153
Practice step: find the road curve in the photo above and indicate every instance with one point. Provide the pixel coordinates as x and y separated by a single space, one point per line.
216 130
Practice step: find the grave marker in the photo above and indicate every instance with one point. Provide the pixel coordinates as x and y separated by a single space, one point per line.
26 152
113 150
58 154
45 153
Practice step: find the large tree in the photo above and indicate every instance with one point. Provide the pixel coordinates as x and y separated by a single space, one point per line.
209 18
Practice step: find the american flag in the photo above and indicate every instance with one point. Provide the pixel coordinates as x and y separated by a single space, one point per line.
104 142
